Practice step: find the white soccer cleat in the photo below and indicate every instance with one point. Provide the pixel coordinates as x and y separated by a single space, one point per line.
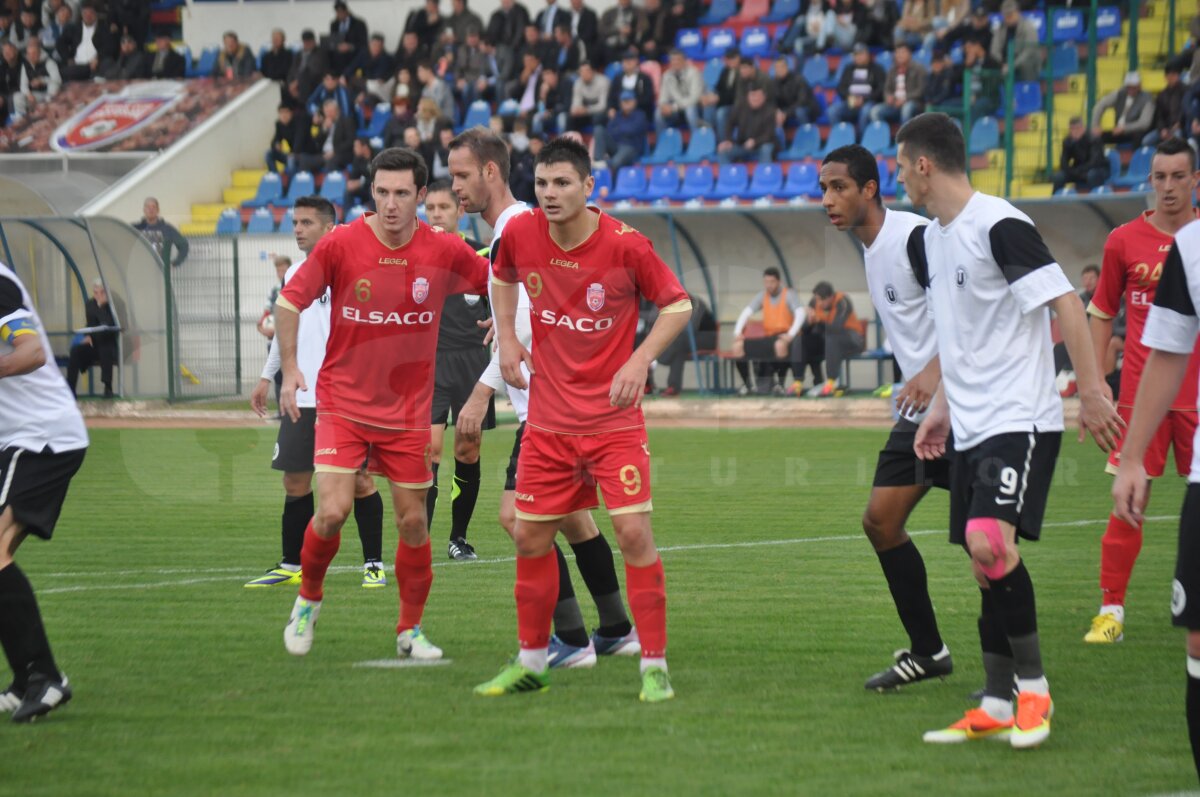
298 634
413 644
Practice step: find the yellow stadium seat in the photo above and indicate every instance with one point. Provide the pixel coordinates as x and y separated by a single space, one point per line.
236 196
247 178
196 228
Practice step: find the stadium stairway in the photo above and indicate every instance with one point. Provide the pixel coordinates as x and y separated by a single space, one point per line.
243 184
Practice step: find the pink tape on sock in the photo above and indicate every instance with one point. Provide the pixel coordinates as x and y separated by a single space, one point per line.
990 528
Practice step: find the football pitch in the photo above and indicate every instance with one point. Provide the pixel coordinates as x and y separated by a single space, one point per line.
777 608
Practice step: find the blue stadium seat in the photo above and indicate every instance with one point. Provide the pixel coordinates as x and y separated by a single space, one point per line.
718 12
756 42
1108 22
923 57
333 188
286 223
1102 189
667 147
799 180
261 221
379 119
712 72
805 144
1139 168
270 188
354 213
767 180
840 135
702 146
229 222
1068 25
719 40
631 182
602 185
823 104
1142 188
985 135
831 82
1028 98
509 108
301 185
697 183
887 179
478 113
611 71
1064 60
885 59
732 181
664 182
1066 190
1114 165
691 42
782 11
204 66
877 138
1038 18
816 70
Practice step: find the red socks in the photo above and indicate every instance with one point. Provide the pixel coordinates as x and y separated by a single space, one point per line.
315 557
1119 549
536 592
414 575
647 589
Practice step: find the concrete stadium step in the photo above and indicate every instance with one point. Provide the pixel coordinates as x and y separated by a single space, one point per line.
247 178
989 181
191 228
207 212
237 195
1033 190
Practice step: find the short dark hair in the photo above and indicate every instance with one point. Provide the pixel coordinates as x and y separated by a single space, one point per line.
861 165
566 150
401 159
823 289
771 271
321 205
442 185
485 146
1091 268
937 137
1175 146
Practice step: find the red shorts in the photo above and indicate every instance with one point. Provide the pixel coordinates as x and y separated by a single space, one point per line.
1178 429
557 474
341 445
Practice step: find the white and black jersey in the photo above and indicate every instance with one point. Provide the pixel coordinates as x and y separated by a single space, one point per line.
990 278
312 337
491 376
37 410
1172 324
897 274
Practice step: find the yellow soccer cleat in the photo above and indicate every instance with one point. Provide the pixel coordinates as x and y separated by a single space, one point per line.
1106 629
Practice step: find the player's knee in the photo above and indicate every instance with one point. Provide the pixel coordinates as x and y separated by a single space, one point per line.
1193 644
579 527
988 549
634 535
466 451
882 534
412 527
364 485
297 485
331 516
508 520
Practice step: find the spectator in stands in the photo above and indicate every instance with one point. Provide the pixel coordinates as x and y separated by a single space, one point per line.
435 89
523 88
976 25
475 71
374 69
334 141
750 130
1089 278
782 315
686 13
309 68
6 22
532 44
839 22
916 22
402 118
679 94
50 13
1083 161
130 18
860 88
795 100
569 51
589 98
631 79
944 87
52 28
660 30
96 347
750 76
84 45
1168 110
276 61
845 335
547 18
980 73
27 27
40 79
621 27
427 23
904 88
235 59
505 32
330 89
11 68
463 20
622 140
1134 110
551 113
439 166
160 234
876 21
412 140
167 63
1027 50
130 63
585 25
718 103
521 157
679 352
283 143
358 176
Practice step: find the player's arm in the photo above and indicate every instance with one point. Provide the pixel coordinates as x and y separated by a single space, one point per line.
1105 305
302 289
27 353
918 392
628 386
469 421
1096 411
504 313
934 432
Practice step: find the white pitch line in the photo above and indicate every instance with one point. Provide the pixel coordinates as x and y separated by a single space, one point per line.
501 560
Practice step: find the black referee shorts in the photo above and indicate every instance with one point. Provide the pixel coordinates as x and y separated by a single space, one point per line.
899 465
295 443
34 485
510 476
454 378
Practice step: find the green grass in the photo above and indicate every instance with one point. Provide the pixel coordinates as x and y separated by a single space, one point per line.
183 686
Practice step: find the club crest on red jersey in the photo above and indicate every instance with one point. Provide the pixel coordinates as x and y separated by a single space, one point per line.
595 297
420 289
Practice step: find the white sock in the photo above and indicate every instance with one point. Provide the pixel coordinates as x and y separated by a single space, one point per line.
997 708
536 659
648 663
289 568
373 563
941 654
1039 686
1115 609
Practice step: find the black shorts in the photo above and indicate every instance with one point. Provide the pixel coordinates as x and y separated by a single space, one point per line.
510 476
899 466
34 484
1006 477
454 379
295 443
1185 592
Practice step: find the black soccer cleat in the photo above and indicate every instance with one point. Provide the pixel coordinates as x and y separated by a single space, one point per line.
461 550
42 695
910 668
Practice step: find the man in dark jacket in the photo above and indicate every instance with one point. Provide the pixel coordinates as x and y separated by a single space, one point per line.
718 103
794 98
309 67
1083 162
167 63
160 234
96 347
750 130
85 45
283 143
1168 110
860 88
235 59
277 60
631 78
427 22
347 36
622 140
130 63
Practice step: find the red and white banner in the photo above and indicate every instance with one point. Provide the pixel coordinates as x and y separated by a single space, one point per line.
112 117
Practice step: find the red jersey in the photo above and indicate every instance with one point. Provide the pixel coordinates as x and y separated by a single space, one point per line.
1133 263
386 305
584 312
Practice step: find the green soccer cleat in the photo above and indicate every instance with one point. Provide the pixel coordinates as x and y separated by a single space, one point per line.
513 678
276 576
656 686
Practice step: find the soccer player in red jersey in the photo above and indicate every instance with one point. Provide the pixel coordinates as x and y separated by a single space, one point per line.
1133 262
389 275
585 273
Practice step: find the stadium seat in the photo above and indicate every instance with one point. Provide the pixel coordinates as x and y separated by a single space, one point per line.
767 180
719 40
718 12
286 223
602 186
691 42
799 180
697 183
631 183
831 82
1068 25
1028 98
334 188
301 185
1102 189
923 56
229 222
701 147
261 221
877 138
887 179
668 147
509 108
203 66
664 182
805 144
756 42
1064 60
270 188
885 59
816 70
840 135
611 71
985 135
781 11
1114 165
752 11
354 213
1142 188
478 113
712 72
379 119
732 181
1066 190
1139 168
1108 22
